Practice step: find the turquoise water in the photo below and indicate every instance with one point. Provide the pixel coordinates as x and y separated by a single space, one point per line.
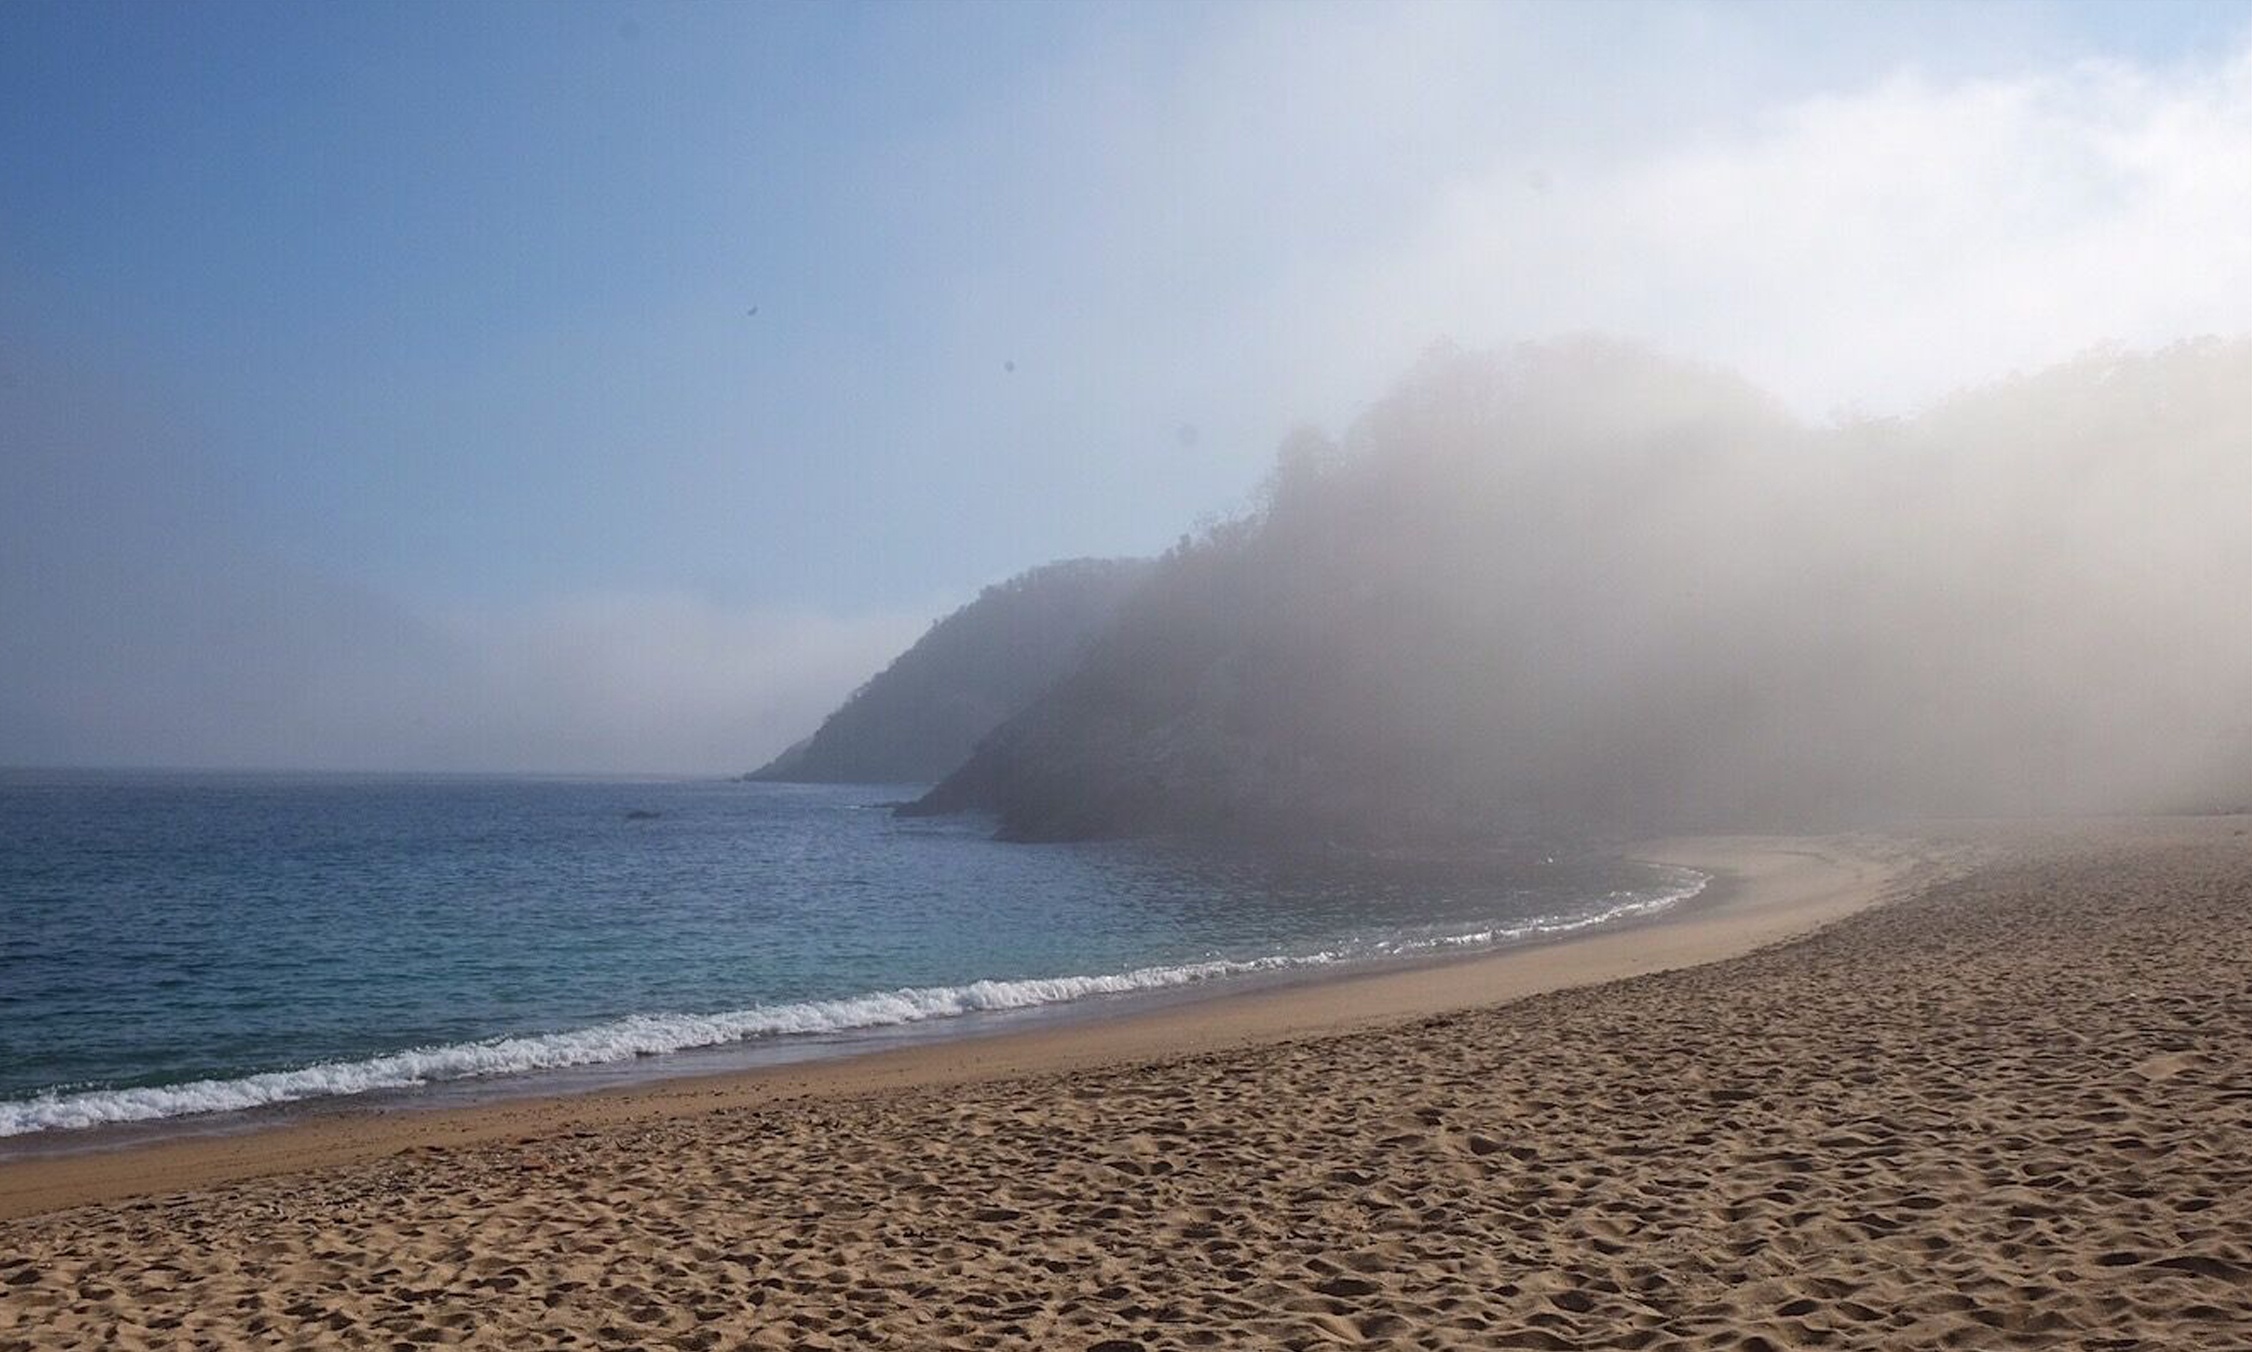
174 945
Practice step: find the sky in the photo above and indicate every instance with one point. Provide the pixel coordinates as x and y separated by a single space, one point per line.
612 387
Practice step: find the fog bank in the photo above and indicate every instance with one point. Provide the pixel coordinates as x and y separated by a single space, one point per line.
1581 586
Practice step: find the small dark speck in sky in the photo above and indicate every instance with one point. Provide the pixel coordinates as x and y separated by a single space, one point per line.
1010 367
752 312
1186 434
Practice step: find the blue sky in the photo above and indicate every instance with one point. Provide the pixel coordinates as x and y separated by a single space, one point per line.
379 387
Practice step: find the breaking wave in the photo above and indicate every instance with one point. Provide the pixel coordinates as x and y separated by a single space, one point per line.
642 1035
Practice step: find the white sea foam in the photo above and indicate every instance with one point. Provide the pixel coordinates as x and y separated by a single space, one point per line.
657 1034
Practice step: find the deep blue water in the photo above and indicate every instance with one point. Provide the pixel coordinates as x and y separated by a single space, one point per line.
174 944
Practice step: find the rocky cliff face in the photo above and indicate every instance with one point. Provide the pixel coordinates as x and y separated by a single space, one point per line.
924 713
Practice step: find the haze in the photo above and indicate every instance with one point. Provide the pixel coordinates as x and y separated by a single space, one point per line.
1577 588
612 388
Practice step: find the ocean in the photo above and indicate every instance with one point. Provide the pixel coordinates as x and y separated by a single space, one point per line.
198 948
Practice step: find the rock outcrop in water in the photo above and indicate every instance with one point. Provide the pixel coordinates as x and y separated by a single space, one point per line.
921 716
1581 586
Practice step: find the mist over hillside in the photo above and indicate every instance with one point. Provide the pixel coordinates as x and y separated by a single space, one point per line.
920 716
1578 586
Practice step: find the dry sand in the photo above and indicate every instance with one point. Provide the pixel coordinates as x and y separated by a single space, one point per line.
2011 1109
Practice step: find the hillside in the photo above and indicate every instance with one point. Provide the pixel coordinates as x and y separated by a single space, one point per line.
924 713
1578 587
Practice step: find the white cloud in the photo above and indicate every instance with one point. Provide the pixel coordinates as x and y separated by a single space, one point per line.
1873 248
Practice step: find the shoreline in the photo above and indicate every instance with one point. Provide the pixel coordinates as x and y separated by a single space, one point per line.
2005 1106
1762 890
903 1018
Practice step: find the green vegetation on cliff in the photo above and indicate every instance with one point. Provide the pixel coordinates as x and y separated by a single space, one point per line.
924 713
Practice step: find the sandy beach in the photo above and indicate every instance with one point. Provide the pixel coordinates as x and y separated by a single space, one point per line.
2011 1106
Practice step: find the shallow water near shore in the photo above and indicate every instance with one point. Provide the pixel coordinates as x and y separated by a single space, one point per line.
183 948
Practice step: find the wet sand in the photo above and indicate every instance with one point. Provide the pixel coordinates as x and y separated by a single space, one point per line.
2013 1107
